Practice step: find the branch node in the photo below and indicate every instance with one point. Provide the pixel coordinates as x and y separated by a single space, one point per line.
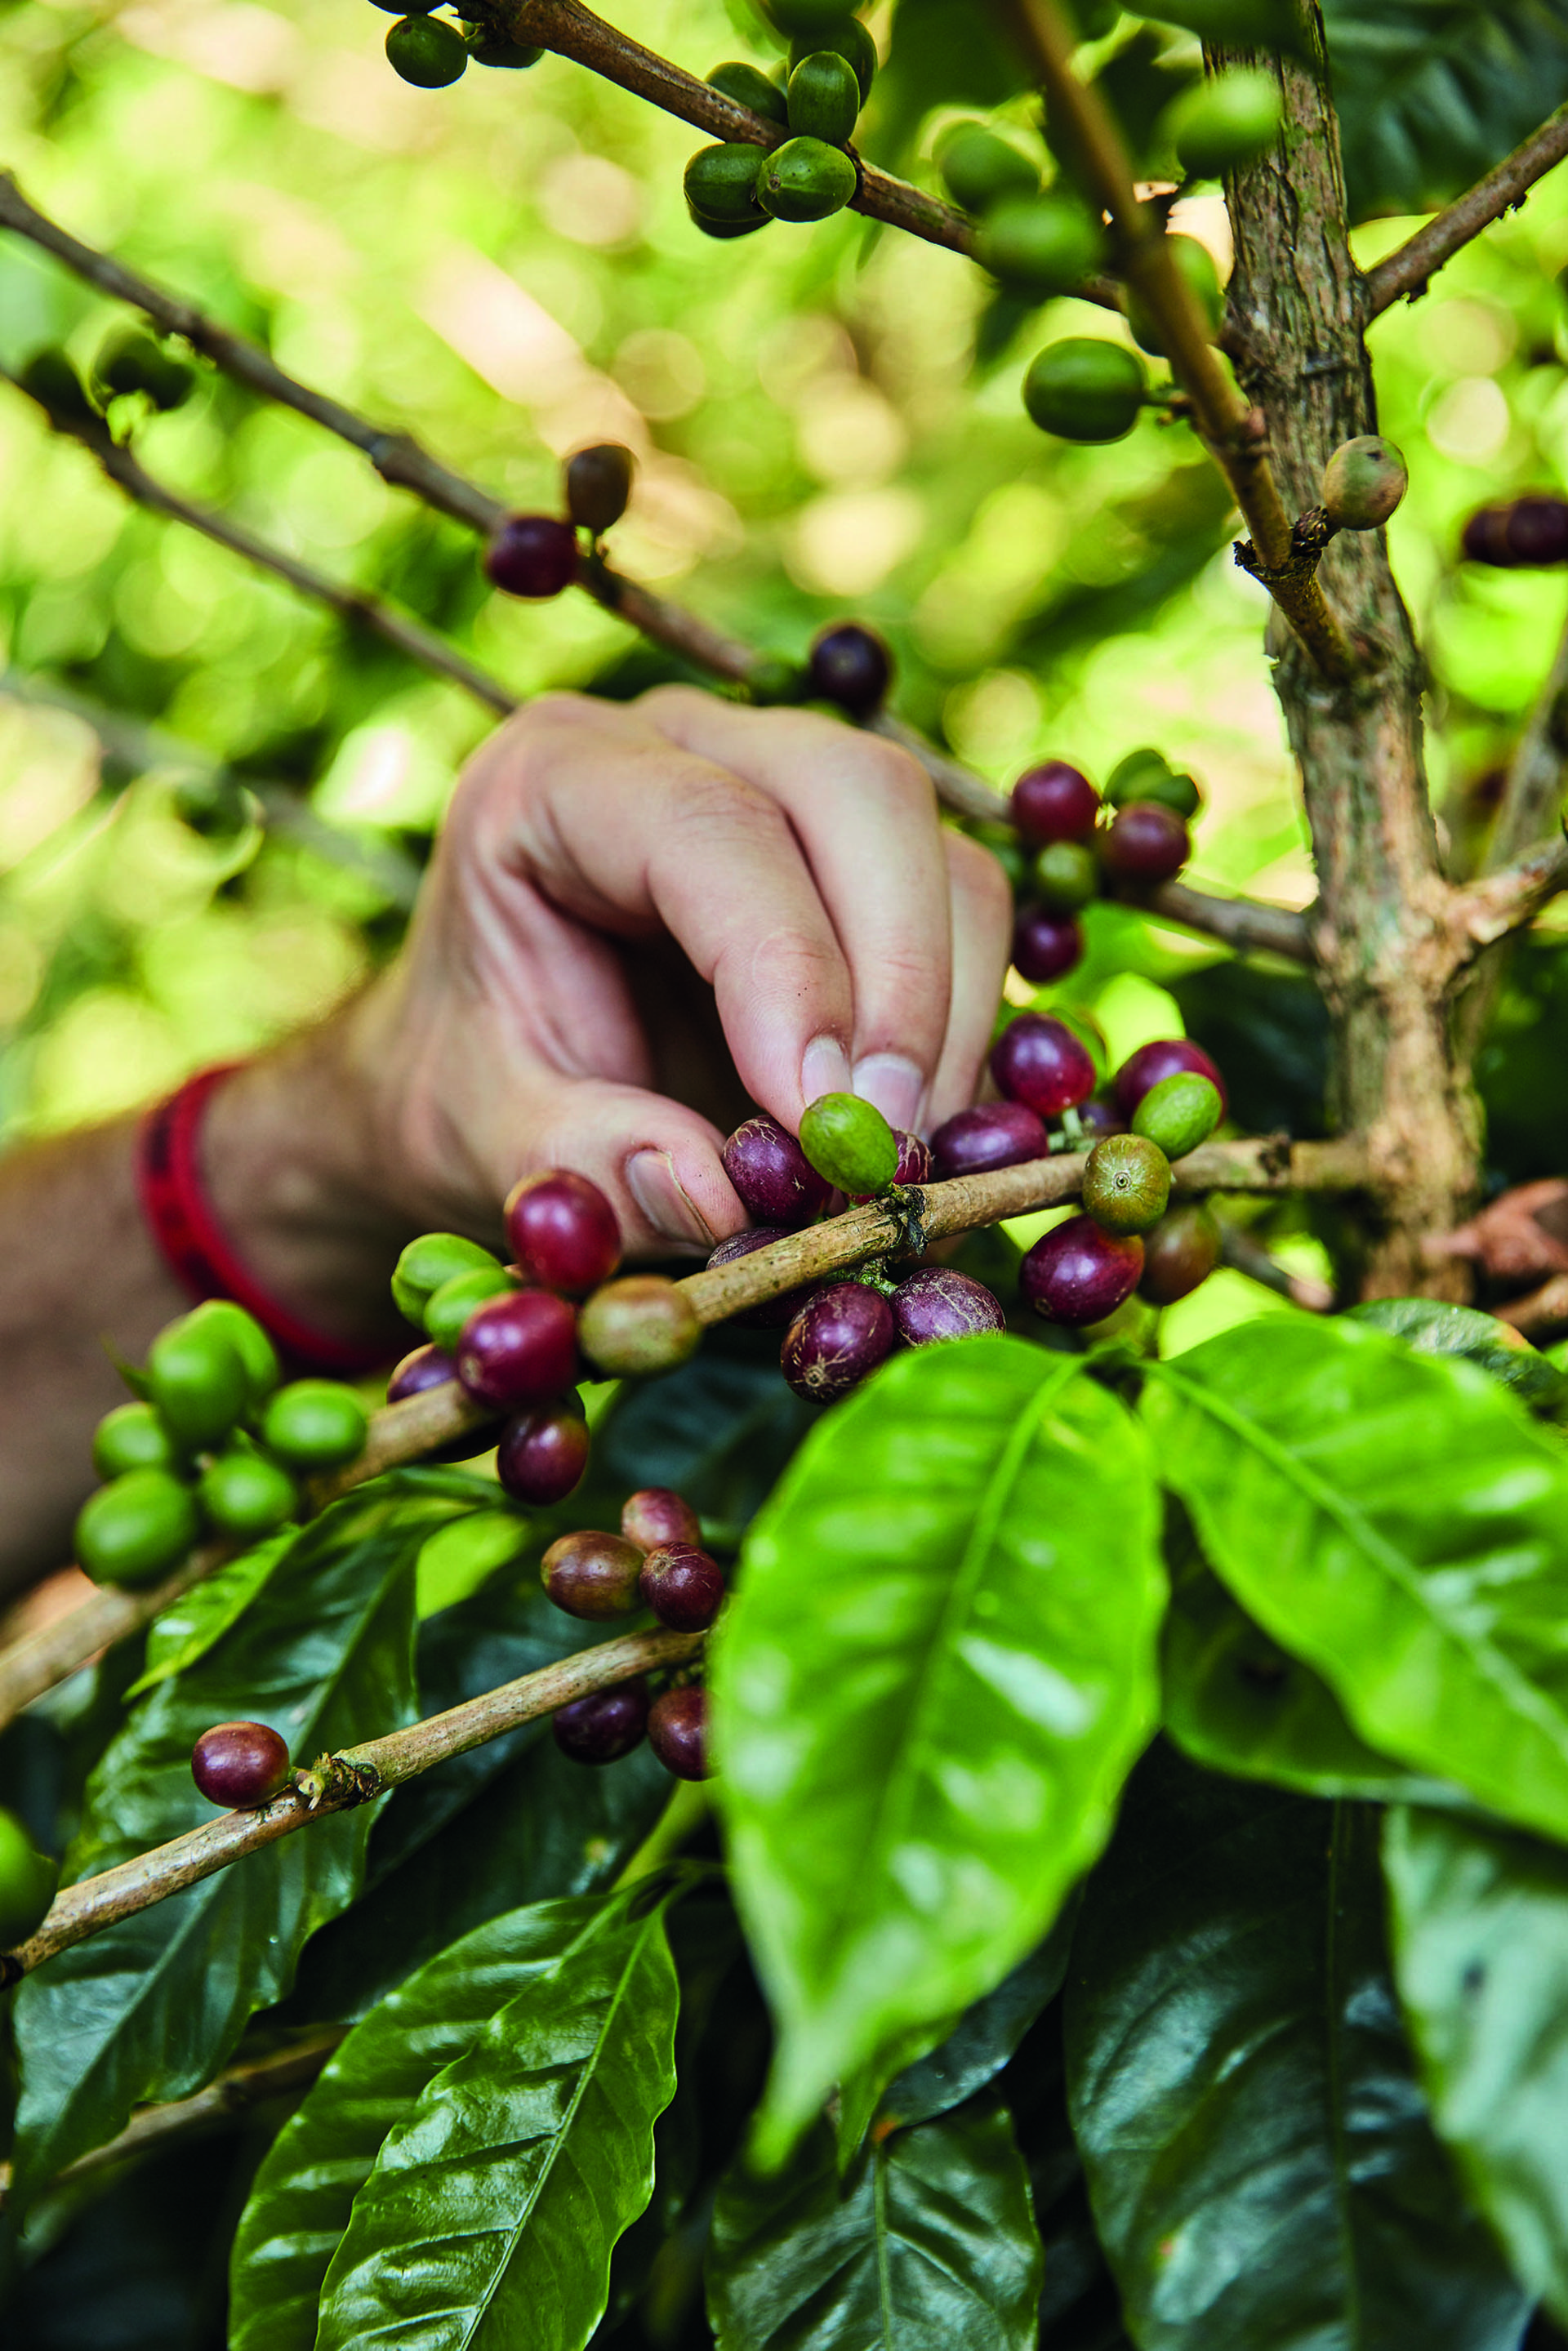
337 1783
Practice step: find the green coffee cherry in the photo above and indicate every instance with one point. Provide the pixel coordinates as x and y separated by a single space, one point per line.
824 98
1364 481
749 87
131 359
427 51
246 1495
723 229
1174 789
721 182
26 1881
1216 126
448 1308
131 1436
429 1261
1179 1114
488 48
805 180
1145 776
850 1142
981 170
848 39
54 383
637 1325
1195 264
1085 388
198 1380
315 1425
1126 1184
1041 245
249 1342
1066 876
133 1529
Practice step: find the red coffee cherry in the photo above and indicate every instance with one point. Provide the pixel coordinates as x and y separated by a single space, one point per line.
518 1349
1181 1252
774 1312
682 1585
1166 1058
1055 802
1039 1062
655 1515
677 1732
991 1135
776 1182
603 1726
1045 945
532 555
592 1575
542 1453
851 666
937 1304
1078 1273
839 1335
563 1231
1147 844
240 1765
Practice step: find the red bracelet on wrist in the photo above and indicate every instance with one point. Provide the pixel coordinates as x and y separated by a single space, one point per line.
195 1246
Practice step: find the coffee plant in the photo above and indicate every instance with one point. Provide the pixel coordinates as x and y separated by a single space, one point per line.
874 1792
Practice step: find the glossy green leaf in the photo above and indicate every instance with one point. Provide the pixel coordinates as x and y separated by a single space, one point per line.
1080 2309
719 1430
151 2007
1259 2155
986 2036
938 1672
1480 1954
188 1628
1433 1327
493 2210
1397 1522
929 2244
304 2191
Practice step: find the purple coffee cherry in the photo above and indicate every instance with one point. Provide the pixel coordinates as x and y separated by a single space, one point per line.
1525 531
772 1175
603 1726
532 555
1039 1062
1166 1058
839 1335
241 1764
542 1453
993 1134
1045 945
656 1515
519 1349
432 1367
1098 1118
682 1585
677 1732
1078 1273
1055 802
851 666
1147 844
562 1231
937 1303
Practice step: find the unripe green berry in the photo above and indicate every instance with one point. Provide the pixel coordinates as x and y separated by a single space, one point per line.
848 39
133 1529
427 51
749 87
429 1261
1066 876
448 1310
1364 481
849 1143
640 1324
493 49
1041 245
315 1425
981 170
1196 265
824 98
1085 388
198 1380
1220 124
721 230
246 1495
131 1436
1126 1184
249 1342
806 179
1179 1113
26 1881
1133 778
131 360
720 181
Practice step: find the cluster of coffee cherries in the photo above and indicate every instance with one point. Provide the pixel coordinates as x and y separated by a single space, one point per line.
215 1445
1073 846
734 188
540 555
656 1562
431 51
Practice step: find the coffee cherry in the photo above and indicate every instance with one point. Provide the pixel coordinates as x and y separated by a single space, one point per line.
427 51
49 378
249 1342
1126 1184
532 555
721 230
1046 945
27 1880
656 1515
841 1335
597 484
749 87
937 1304
244 1496
639 1325
1179 1113
1039 1062
981 170
1145 776
991 1135
720 181
824 98
849 1143
542 1453
603 1726
315 1425
682 1585
447 1314
1181 1252
1066 876
678 1733
563 1231
1040 246
806 179
1362 482
775 1181
131 359
847 38
131 1436
1055 802
1146 843
851 666
432 1260
198 1380
773 1313
1079 1274
134 1529
1163 1059
435 1367
240 1765
913 1158
494 49
1099 1118
1525 532
592 1575
1085 388
1195 263
1219 124
519 1350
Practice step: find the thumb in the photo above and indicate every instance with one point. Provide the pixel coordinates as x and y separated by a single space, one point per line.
656 1162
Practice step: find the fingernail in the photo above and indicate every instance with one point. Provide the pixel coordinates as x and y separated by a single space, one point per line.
653 1182
894 1085
824 1068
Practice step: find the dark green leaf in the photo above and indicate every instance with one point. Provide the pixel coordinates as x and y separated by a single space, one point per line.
1080 2309
984 2038
942 54
187 1629
1270 1036
1258 2156
1480 1952
1396 1521
938 1672
929 2244
1432 1328
492 2212
719 1431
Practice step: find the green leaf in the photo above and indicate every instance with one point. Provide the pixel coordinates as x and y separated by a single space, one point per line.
938 1672
929 2244
188 1628
1270 1039
1394 1520
986 2037
492 2212
304 2191
1432 1328
1258 2156
1480 1954
151 2007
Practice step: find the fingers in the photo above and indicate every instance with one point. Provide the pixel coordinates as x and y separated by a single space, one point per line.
982 905
656 1162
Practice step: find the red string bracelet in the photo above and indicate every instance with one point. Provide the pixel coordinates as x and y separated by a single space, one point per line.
195 1246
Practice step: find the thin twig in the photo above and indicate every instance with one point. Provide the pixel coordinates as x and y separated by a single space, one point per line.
1406 271
1244 1255
1498 904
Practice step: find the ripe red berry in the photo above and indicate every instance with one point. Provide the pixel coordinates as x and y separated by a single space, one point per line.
1181 1252
1039 1062
677 1732
240 1765
1045 945
1078 1273
990 1135
1147 844
1055 802
563 1231
656 1515
846 1331
542 1453
603 1726
591 1574
851 666
1166 1058
774 1312
776 1182
936 1304
518 1349
532 555
682 1585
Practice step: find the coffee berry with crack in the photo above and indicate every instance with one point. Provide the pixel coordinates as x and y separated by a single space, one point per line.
604 1725
684 1586
841 1333
240 1765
